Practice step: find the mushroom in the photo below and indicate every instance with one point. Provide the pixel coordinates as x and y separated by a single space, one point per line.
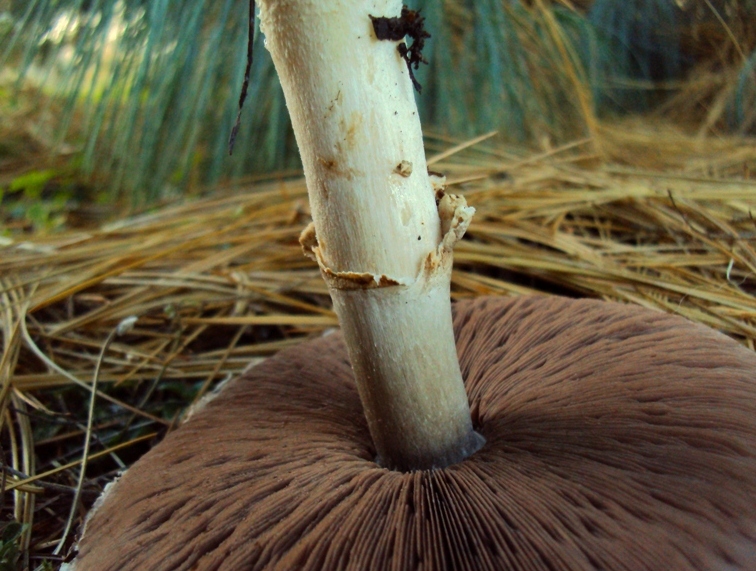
616 438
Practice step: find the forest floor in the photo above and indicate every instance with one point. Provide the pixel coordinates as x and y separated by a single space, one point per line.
154 311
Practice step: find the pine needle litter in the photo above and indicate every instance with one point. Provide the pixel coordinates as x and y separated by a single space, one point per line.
153 312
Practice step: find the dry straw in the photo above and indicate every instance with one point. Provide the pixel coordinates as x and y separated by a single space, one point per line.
660 219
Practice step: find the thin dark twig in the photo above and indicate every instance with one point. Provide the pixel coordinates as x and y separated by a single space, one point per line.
175 347
4 479
247 71
680 212
42 483
124 326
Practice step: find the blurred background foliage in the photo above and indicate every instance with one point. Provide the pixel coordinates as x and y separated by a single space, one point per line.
126 103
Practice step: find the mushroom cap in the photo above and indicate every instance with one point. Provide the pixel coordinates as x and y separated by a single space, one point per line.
617 438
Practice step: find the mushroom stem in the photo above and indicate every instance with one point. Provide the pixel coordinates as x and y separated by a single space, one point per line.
381 235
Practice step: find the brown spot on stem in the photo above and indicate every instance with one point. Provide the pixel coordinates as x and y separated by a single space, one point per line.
351 128
329 164
334 167
404 169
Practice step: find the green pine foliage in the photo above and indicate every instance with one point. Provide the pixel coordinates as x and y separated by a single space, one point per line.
149 88
742 108
640 44
501 65
152 88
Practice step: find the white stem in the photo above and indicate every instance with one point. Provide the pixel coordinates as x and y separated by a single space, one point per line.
382 247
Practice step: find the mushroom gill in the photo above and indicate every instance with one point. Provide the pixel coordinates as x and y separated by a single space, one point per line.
616 438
